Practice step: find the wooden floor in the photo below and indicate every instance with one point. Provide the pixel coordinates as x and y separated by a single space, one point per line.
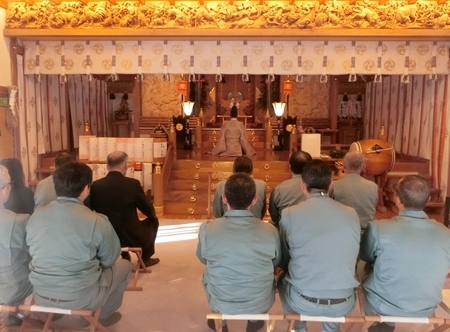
270 155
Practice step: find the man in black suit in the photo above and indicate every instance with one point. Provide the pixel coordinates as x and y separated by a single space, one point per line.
117 197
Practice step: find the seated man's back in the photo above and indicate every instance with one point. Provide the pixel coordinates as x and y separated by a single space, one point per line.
233 138
320 242
74 250
45 189
118 197
289 192
242 164
240 253
14 258
410 254
355 191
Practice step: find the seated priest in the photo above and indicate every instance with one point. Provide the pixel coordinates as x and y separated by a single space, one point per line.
409 256
118 197
74 251
241 253
233 138
14 258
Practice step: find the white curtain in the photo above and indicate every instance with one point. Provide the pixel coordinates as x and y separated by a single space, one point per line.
88 103
281 57
416 119
42 118
43 114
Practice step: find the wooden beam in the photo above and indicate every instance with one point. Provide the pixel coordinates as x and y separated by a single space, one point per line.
230 34
17 49
56 2
113 2
3 4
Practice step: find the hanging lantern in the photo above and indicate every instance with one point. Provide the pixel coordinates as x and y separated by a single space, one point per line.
182 86
288 86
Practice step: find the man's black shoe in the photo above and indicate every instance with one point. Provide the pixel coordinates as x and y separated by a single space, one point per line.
13 320
111 320
126 255
254 326
151 262
381 327
212 326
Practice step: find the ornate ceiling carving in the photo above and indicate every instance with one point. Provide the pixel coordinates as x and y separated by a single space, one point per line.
228 16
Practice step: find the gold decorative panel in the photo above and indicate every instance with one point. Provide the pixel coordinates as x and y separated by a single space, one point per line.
219 176
310 98
227 15
159 98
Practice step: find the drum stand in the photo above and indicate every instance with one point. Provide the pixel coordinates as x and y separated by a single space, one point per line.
381 182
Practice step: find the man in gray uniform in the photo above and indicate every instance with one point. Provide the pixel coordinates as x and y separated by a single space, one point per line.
355 191
410 254
74 250
320 244
45 189
241 164
240 253
289 193
14 258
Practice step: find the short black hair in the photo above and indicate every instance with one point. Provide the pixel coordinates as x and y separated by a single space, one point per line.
243 164
240 189
234 112
15 171
316 175
298 160
63 157
413 191
71 178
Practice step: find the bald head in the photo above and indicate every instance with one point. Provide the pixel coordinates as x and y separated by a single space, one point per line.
117 161
354 162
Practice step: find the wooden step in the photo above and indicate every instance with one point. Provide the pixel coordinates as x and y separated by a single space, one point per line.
187 175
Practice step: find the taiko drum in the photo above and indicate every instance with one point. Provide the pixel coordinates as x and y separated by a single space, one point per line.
380 155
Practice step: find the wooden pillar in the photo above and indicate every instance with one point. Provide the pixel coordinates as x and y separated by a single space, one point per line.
158 190
198 134
293 140
15 49
172 136
137 109
269 133
334 91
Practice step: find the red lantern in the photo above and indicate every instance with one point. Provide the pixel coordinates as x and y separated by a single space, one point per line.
288 86
182 86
